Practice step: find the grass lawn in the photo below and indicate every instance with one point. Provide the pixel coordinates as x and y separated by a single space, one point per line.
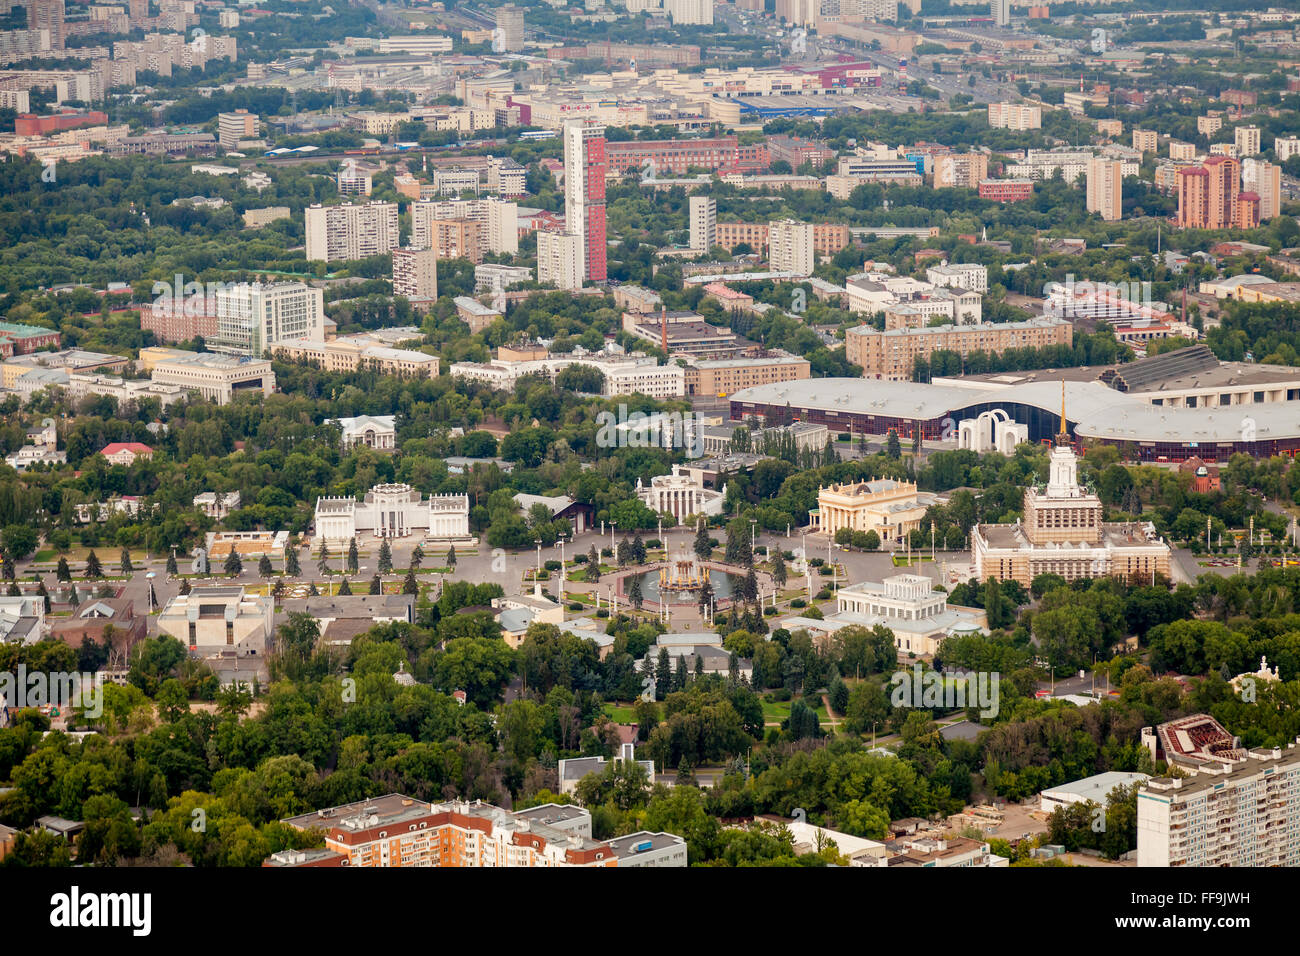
620 714
902 562
780 711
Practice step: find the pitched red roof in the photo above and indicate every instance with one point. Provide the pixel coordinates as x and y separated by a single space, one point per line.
138 447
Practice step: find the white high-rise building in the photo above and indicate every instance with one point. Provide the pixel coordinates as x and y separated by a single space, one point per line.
791 247
704 223
1001 11
1018 116
415 273
1105 187
252 317
498 222
559 259
1264 179
1238 808
1247 140
350 231
694 12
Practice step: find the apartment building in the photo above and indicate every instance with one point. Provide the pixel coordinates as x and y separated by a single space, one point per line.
790 247
450 238
959 275
394 830
1264 179
1207 194
415 273
1105 187
497 224
585 169
252 317
797 151
690 12
350 231
1182 151
704 223
1285 147
1006 190
559 260
677 156
1145 140
233 127
1246 139
1239 811
828 238
1208 125
1017 116
963 170
892 354
718 377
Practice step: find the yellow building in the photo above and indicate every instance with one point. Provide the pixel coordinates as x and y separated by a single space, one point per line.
1062 533
890 508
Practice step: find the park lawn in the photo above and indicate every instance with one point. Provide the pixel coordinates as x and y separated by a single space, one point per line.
47 555
780 710
620 714
902 562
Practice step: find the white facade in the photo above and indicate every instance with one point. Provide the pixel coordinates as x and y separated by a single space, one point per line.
1105 187
252 317
704 223
991 431
697 12
1016 116
1247 814
373 431
559 260
790 247
217 504
392 511
498 222
959 275
1286 147
680 494
1264 179
1247 140
350 231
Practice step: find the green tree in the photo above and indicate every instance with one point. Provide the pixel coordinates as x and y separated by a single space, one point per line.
63 572
124 561
593 566
323 558
385 557
172 568
779 572
417 557
94 569
234 565
634 591
354 561
264 568
376 586
451 557
703 548
410 585
291 567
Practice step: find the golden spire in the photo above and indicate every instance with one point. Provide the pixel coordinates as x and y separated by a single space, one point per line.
1062 438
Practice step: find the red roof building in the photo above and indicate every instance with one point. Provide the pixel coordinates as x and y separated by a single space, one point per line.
125 453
